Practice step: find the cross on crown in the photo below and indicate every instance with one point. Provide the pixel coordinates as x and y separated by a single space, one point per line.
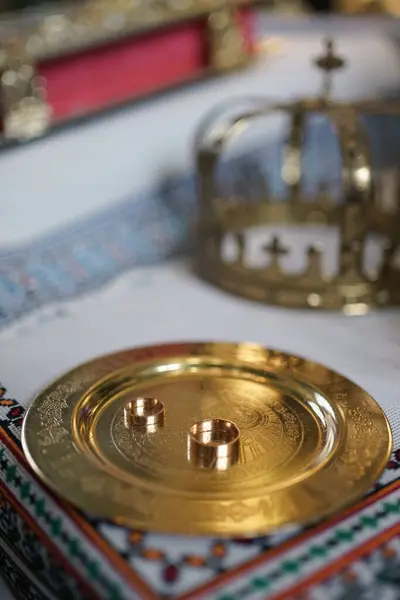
329 62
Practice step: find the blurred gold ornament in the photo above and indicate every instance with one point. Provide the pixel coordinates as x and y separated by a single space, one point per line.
228 219
391 7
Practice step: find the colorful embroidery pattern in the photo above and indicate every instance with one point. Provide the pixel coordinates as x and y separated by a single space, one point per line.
19 584
58 544
282 566
326 548
35 555
375 576
394 463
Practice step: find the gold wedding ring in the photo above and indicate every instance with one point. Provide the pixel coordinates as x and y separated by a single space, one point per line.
213 444
148 412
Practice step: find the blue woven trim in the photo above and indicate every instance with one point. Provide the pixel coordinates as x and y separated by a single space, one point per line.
151 228
90 253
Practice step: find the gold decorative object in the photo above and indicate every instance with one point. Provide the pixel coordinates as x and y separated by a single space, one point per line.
250 439
391 7
23 96
63 28
225 40
49 31
229 220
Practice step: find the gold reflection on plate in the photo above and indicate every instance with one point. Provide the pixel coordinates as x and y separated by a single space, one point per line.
206 438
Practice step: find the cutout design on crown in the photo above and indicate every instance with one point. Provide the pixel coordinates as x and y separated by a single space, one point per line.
364 219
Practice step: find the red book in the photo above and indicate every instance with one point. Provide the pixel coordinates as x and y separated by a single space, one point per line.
72 63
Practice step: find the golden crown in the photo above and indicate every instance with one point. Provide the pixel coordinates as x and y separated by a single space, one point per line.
361 224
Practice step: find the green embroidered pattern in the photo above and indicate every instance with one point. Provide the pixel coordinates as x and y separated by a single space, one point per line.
25 491
384 515
167 571
342 537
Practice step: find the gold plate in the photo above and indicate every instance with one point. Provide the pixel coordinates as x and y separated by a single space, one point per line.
206 438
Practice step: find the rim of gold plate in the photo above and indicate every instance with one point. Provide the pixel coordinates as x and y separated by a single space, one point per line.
206 438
